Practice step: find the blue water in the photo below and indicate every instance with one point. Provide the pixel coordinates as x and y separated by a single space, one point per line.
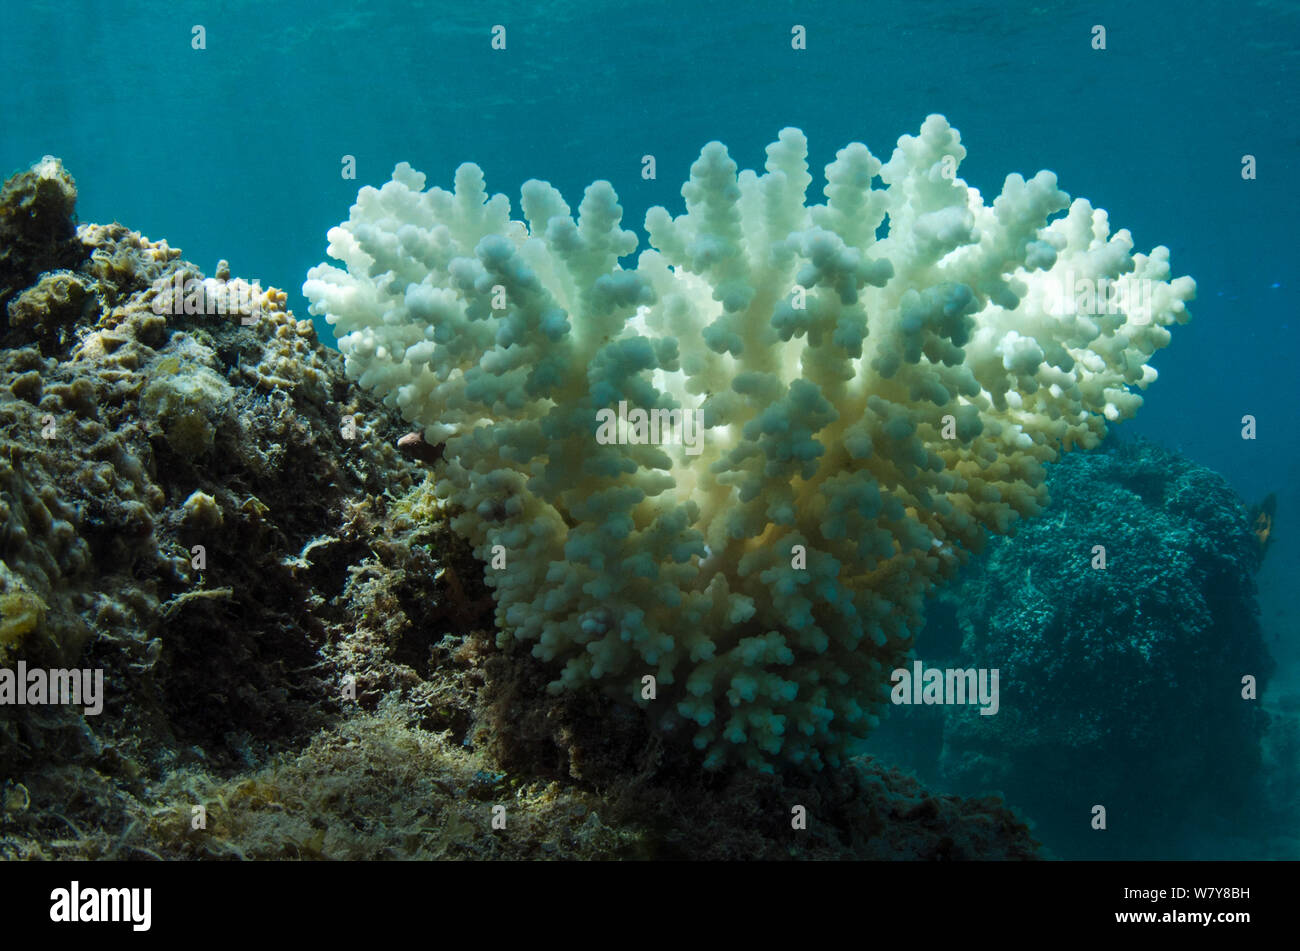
234 151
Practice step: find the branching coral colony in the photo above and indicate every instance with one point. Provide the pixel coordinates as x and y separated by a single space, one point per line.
869 406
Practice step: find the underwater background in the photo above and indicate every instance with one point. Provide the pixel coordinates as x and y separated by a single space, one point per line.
234 153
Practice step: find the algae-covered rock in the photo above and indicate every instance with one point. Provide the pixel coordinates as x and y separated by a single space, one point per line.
37 228
51 306
158 472
188 406
22 613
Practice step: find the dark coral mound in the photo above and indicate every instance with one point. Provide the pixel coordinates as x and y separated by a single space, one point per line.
37 229
170 485
1121 686
196 501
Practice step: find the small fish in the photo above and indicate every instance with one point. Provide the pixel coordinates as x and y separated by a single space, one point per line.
413 446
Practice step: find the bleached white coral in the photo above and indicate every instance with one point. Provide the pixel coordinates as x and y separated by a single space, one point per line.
871 406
